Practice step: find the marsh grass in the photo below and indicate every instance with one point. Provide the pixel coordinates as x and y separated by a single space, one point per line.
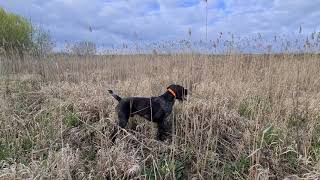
247 117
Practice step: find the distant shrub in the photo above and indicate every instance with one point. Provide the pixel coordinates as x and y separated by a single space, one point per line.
15 33
42 42
83 48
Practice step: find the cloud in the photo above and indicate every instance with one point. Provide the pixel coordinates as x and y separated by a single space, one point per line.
114 22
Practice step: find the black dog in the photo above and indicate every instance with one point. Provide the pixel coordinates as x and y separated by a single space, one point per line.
155 109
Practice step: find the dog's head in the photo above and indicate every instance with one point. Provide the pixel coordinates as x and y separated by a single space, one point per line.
180 91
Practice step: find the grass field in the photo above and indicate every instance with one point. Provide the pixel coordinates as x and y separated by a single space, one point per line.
247 117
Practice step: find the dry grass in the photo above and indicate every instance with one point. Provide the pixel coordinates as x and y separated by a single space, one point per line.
247 117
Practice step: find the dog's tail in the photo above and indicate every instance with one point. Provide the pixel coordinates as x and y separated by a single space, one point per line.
118 98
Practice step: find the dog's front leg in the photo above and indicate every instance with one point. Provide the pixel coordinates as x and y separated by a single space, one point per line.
162 130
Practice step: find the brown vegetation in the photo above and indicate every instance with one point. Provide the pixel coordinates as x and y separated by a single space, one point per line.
247 117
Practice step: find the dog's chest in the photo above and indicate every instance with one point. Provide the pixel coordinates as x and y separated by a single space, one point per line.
166 107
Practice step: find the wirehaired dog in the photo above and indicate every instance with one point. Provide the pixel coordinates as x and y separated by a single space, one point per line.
154 109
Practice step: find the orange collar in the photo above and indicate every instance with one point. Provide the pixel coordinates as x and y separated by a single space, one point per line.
172 92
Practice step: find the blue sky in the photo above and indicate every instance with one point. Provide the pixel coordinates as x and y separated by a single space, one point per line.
114 22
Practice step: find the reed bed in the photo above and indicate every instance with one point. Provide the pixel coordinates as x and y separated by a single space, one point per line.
247 117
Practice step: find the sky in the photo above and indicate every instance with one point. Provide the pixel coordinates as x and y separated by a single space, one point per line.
115 22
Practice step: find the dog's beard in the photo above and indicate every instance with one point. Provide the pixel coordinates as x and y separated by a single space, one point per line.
182 99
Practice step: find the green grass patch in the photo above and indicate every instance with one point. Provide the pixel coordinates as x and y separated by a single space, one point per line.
269 138
71 120
290 158
296 121
5 151
27 144
315 141
245 110
165 168
237 169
